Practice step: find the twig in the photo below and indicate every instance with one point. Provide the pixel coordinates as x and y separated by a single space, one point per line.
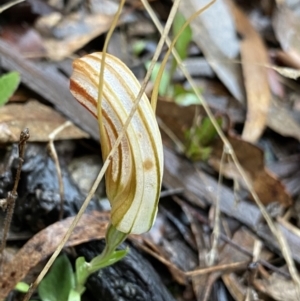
9 203
226 239
286 252
180 146
252 269
213 253
57 166
171 192
8 5
228 267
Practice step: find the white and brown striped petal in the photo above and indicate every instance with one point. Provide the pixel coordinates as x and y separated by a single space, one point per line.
133 179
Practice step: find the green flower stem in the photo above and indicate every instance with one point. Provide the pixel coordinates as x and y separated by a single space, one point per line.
113 239
108 257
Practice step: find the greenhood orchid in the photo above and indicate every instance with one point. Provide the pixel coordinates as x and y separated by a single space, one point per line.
134 177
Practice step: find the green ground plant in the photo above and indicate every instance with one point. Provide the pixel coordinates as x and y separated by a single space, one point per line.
9 83
166 86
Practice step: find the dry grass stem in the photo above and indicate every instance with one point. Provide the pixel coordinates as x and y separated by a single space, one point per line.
219 268
9 203
53 154
171 135
9 5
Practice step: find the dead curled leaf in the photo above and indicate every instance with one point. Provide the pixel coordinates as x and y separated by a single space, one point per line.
287 72
265 184
91 226
83 30
254 59
281 120
286 26
202 283
278 288
27 40
40 119
212 30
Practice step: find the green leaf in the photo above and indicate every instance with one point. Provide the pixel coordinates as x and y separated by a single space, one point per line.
8 84
185 38
199 138
187 99
138 47
82 274
22 287
165 79
198 153
108 260
207 132
74 296
58 283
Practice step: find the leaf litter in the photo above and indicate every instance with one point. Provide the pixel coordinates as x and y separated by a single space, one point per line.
265 115
253 58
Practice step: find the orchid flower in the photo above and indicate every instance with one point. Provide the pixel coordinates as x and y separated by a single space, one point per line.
134 177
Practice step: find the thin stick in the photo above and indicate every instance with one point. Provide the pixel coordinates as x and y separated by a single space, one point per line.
226 239
291 266
102 130
8 5
57 165
172 136
228 267
216 229
12 195
171 47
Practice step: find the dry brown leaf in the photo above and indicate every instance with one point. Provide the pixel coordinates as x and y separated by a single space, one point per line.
214 33
83 29
91 226
179 119
281 120
254 57
289 232
247 240
251 158
278 288
40 119
51 84
201 189
287 72
203 283
236 289
286 26
25 39
292 234
156 251
285 59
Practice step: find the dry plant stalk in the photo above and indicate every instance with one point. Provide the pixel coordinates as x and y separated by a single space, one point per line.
9 203
9 5
53 153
